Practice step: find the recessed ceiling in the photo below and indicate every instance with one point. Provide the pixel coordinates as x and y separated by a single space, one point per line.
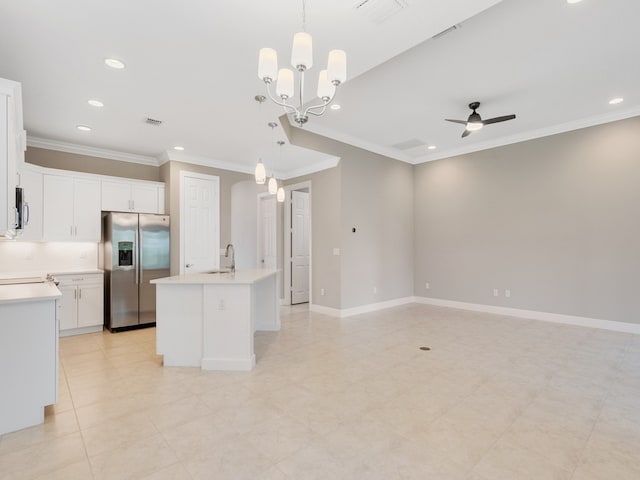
194 66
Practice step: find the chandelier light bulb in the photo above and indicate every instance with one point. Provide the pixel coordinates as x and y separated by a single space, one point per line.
337 66
273 185
326 90
284 87
302 51
268 64
280 195
260 173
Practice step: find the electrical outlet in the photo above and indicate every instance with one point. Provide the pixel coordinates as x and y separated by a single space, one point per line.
495 292
507 293
322 292
427 286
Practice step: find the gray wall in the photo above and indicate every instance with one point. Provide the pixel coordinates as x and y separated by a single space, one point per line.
374 194
87 164
555 220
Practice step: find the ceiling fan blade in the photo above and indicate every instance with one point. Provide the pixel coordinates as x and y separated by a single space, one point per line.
463 122
466 133
498 119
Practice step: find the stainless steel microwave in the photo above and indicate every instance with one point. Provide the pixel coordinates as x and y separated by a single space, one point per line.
22 209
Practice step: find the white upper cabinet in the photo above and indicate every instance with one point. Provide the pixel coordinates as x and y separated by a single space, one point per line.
12 147
139 197
71 209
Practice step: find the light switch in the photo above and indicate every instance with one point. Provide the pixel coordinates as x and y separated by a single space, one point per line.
336 252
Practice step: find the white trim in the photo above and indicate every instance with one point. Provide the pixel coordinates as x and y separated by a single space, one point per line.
309 169
229 364
67 147
371 307
533 134
286 255
535 315
476 147
205 161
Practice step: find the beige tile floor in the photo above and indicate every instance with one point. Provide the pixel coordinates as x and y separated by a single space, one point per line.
495 398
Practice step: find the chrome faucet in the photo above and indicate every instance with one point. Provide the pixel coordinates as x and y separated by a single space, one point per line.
233 256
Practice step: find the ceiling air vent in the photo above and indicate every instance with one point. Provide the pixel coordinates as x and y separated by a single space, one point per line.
379 11
408 144
153 121
445 31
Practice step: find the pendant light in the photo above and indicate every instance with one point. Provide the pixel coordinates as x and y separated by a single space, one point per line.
273 183
280 191
260 173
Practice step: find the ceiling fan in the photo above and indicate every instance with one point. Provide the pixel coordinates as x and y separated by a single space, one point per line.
475 122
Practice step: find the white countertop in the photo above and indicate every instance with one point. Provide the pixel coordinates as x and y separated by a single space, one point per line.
28 292
240 277
43 274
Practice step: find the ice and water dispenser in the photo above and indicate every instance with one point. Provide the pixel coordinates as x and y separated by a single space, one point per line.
125 254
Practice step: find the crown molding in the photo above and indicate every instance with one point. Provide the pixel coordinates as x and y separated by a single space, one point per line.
204 161
59 146
358 142
533 134
308 170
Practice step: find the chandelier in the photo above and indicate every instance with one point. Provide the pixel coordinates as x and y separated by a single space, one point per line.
301 61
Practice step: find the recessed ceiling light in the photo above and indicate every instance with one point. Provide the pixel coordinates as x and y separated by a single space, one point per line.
616 101
83 128
573 1
113 63
179 148
335 106
95 103
431 147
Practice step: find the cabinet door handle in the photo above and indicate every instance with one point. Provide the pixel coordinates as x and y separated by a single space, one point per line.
76 231
79 294
75 294
71 230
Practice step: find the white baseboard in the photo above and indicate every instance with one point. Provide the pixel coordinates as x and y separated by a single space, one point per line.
233 364
371 307
476 307
535 315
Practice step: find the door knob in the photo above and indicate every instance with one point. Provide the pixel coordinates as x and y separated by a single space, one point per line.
189 265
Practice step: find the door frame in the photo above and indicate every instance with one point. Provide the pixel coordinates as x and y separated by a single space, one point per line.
261 197
286 261
201 176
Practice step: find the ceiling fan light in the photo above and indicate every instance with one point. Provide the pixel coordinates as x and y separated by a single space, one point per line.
260 173
273 185
326 90
267 64
302 51
280 195
474 126
284 87
337 66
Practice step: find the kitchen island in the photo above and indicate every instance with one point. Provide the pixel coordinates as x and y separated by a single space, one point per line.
208 320
28 353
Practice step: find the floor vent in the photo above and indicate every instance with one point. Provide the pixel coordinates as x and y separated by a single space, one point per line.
153 121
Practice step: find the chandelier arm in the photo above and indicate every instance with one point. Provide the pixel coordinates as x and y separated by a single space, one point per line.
288 108
301 83
310 110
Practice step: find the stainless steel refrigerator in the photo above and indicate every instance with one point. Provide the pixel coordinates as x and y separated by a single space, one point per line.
136 250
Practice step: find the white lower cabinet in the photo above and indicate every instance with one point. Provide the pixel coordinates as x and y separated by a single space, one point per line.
81 305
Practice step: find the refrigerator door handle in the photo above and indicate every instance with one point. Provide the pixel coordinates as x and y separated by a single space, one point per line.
137 256
140 240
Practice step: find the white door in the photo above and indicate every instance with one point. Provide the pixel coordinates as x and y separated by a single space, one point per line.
201 213
300 227
267 239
